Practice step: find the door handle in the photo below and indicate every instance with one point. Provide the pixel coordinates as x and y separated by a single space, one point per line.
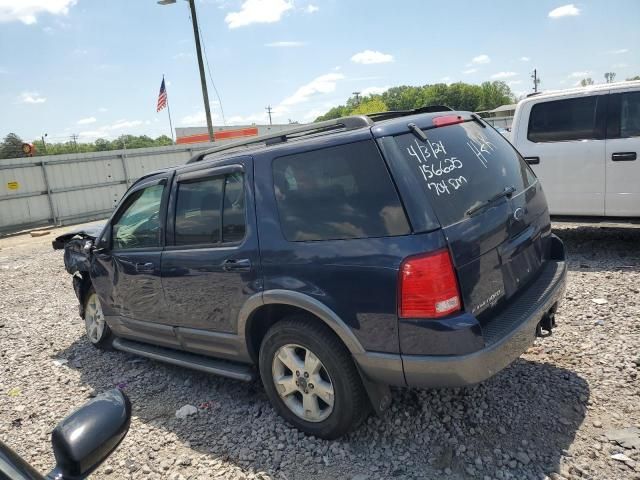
623 156
532 160
145 267
237 265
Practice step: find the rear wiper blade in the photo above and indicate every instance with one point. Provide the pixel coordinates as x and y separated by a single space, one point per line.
507 192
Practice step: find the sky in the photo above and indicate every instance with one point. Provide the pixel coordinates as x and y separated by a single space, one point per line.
93 68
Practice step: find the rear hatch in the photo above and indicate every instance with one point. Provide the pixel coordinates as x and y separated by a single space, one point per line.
486 199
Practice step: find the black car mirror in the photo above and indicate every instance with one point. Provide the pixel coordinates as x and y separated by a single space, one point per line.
84 439
103 244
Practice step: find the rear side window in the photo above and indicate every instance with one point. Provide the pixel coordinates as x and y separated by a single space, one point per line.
210 211
339 192
461 166
624 115
562 120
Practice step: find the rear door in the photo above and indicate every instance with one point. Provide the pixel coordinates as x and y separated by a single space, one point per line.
563 141
496 239
623 149
210 265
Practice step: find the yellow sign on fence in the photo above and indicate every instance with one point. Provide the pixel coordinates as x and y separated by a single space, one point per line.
13 185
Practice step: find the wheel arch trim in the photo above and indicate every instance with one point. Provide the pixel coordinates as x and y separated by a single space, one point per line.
304 302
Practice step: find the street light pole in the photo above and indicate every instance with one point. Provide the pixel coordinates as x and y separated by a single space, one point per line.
203 80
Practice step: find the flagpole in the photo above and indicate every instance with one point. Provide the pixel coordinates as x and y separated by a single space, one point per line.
169 111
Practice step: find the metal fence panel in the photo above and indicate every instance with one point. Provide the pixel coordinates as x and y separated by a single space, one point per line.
64 189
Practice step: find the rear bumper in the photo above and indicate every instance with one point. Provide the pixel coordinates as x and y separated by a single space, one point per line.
506 338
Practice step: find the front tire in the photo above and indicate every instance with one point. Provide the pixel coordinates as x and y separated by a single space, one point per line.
98 332
311 379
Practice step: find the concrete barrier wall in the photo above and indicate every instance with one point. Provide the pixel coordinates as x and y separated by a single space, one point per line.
65 189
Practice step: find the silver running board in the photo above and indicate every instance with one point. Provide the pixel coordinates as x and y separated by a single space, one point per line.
223 368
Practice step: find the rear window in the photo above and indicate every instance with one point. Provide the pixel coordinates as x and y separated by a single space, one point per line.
562 120
462 166
339 192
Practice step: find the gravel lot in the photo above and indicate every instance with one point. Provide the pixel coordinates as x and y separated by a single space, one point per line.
552 414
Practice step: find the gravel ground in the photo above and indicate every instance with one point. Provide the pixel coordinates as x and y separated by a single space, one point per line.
552 414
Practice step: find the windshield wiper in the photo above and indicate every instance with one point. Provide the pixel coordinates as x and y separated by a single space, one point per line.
507 192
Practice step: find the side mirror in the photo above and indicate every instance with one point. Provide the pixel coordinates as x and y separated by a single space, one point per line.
103 243
84 439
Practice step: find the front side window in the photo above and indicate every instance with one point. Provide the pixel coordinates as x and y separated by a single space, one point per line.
210 211
337 193
562 120
624 115
139 225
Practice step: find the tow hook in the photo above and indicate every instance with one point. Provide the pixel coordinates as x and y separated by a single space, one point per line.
546 325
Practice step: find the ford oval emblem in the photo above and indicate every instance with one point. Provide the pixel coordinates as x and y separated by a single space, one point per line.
518 214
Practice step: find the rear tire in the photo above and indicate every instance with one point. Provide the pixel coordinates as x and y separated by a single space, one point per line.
96 328
311 379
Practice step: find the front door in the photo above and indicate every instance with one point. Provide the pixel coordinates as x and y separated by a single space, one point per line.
210 264
126 269
623 150
565 146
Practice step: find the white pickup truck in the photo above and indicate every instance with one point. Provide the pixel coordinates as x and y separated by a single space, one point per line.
583 144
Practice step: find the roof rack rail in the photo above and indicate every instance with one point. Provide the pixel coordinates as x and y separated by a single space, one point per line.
376 117
347 123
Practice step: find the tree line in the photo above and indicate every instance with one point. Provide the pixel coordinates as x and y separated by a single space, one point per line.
11 146
458 96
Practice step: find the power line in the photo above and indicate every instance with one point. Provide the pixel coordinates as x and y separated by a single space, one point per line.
215 89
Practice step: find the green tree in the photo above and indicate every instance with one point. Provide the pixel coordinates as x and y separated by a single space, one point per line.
11 147
637 77
370 105
586 81
610 77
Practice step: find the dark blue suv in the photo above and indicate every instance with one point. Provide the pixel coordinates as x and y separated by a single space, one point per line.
334 260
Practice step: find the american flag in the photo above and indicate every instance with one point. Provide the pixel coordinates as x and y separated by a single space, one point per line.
162 97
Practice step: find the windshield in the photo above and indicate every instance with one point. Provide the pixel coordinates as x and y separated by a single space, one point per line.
462 167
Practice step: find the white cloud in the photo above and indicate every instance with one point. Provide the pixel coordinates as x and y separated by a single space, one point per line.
514 82
31 97
183 56
103 109
480 59
122 125
26 11
322 84
524 59
259 118
86 121
579 74
285 44
618 51
502 75
367 57
569 10
621 65
469 70
312 8
373 91
258 11
445 79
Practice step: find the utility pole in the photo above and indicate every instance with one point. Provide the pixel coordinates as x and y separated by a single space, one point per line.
536 80
74 139
203 80
44 144
269 110
357 95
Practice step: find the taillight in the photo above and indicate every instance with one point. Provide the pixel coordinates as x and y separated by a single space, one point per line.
446 120
428 286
